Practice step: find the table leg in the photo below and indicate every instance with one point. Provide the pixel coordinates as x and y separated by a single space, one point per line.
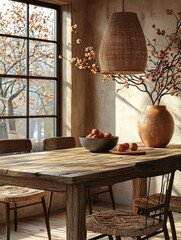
76 212
139 190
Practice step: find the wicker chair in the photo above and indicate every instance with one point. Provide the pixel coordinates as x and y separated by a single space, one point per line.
175 206
19 197
69 142
153 221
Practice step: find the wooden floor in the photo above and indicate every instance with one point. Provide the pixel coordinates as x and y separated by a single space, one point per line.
34 227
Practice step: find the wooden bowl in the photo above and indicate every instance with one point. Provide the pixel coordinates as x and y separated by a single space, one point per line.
98 144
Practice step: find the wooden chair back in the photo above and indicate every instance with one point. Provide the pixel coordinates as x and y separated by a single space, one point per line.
166 169
57 143
15 146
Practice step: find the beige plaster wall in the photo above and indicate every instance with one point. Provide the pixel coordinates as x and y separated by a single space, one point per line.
119 112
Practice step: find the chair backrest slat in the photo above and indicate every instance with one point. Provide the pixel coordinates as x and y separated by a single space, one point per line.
58 143
15 146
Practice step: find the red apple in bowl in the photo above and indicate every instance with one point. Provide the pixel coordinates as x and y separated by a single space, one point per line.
89 136
107 135
95 131
101 135
95 136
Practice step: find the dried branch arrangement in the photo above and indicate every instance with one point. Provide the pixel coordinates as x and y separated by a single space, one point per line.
163 71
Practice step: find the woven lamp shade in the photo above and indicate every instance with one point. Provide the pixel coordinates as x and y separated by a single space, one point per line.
123 46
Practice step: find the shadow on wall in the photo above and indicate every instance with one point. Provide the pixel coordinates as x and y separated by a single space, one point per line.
128 103
177 118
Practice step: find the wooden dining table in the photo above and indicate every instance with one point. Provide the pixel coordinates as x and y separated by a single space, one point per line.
77 169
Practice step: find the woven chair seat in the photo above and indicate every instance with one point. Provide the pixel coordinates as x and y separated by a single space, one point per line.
124 224
175 202
13 194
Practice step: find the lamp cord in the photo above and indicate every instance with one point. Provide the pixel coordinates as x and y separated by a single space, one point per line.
123 6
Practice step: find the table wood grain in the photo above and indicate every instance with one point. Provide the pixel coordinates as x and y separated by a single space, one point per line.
75 169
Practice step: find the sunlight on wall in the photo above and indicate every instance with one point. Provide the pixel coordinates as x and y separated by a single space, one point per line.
66 70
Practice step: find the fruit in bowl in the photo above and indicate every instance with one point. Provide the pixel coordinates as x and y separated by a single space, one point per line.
96 141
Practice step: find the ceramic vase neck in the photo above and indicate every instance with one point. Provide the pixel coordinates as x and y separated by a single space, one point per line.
156 107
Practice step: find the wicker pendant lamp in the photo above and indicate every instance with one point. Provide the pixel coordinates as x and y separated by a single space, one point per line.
123 47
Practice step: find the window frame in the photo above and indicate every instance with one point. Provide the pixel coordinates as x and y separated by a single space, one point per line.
57 77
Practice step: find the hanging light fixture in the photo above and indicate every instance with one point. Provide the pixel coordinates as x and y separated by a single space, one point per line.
123 47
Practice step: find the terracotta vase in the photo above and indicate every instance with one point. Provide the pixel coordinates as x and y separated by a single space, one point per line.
155 126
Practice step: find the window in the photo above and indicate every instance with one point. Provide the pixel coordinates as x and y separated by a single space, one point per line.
29 76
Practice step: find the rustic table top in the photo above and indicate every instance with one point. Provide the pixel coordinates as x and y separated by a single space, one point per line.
76 165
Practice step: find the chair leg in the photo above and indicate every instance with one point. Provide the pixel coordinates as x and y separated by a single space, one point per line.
112 197
172 225
89 201
110 237
50 204
46 217
138 210
7 221
118 238
165 231
15 218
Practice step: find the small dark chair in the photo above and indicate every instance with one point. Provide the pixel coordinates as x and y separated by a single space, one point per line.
175 206
153 220
12 195
57 143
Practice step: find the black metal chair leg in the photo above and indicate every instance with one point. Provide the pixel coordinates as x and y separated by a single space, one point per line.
50 204
172 225
89 201
112 197
7 221
15 218
165 231
46 217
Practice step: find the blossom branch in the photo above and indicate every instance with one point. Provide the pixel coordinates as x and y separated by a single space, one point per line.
161 76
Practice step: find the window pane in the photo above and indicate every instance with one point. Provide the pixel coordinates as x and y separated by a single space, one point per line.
12 128
42 97
12 97
12 18
42 23
12 56
41 128
42 59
